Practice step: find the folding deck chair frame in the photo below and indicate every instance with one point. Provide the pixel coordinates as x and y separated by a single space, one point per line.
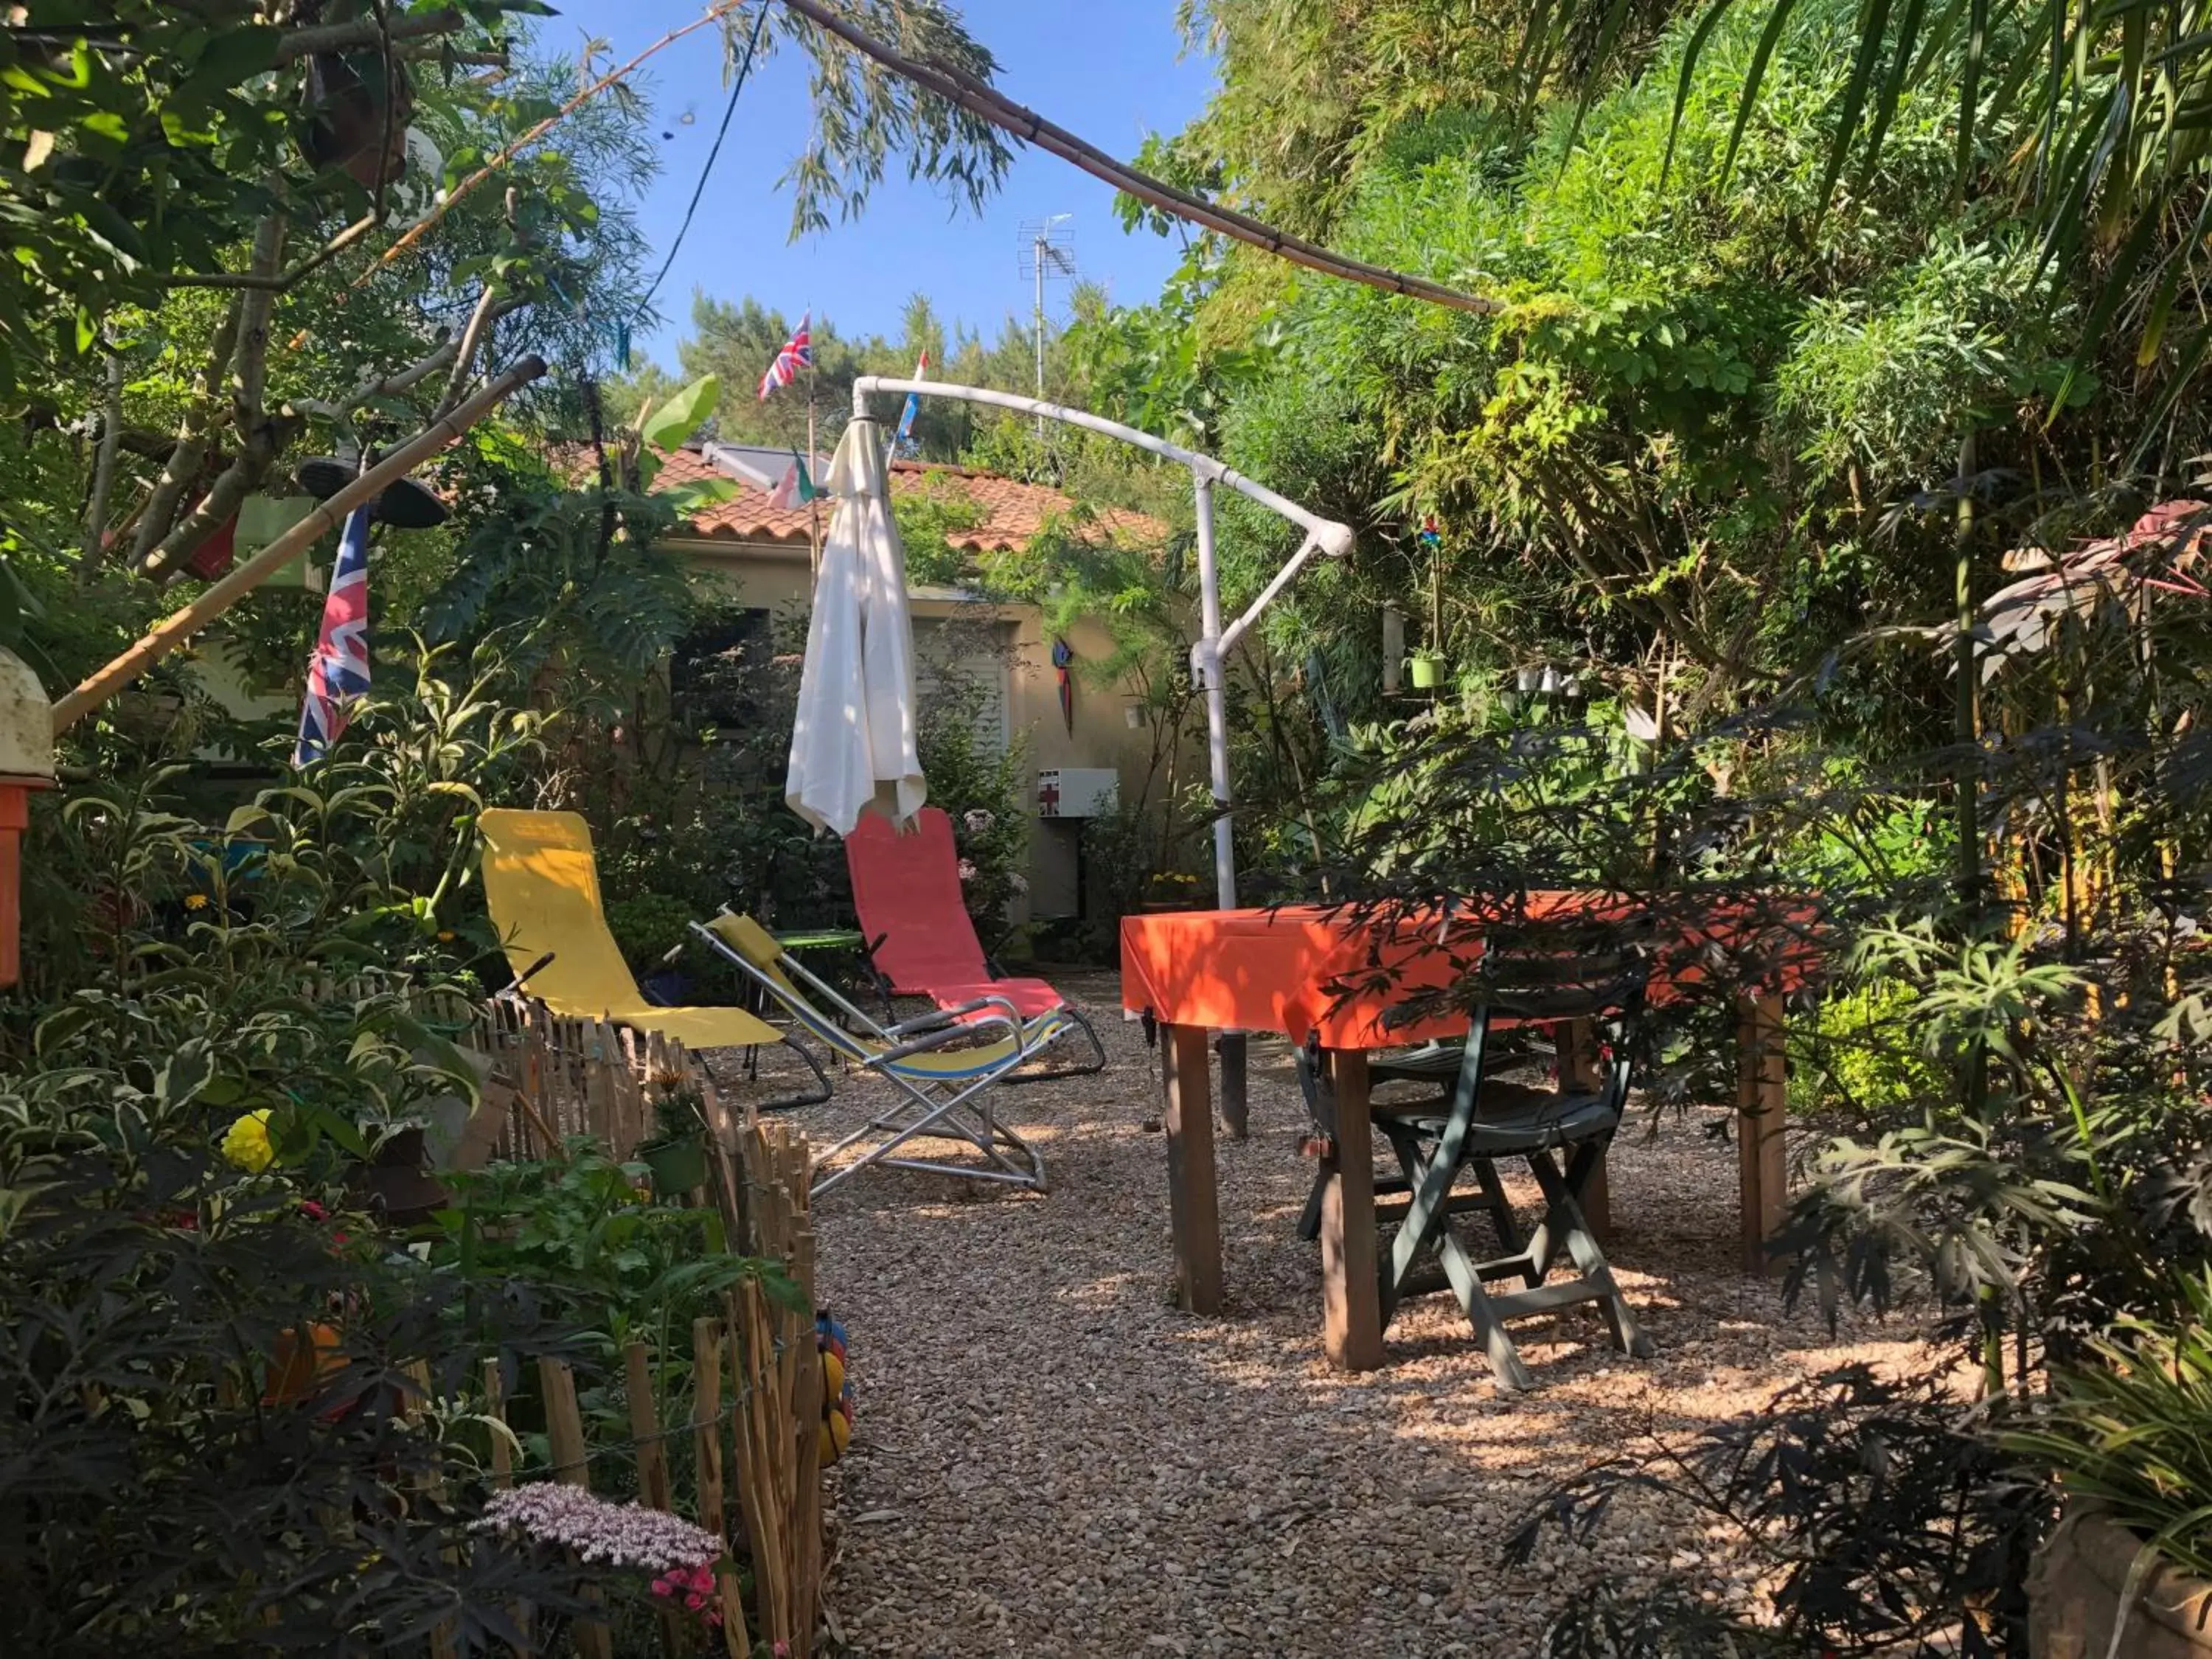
942 1074
965 975
541 884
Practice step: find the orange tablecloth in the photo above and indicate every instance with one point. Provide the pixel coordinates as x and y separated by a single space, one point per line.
1283 969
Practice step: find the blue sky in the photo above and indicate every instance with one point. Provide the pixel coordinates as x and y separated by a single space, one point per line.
1109 72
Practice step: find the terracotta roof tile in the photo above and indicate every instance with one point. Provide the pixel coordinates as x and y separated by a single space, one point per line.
1016 511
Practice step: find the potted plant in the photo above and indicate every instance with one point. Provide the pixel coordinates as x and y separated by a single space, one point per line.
1425 668
2129 1570
676 1154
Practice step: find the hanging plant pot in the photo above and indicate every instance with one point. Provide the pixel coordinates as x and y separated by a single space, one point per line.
1426 672
396 1185
356 117
678 1165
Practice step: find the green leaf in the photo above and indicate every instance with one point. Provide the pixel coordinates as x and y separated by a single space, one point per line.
1874 23
1754 76
683 414
236 55
1692 54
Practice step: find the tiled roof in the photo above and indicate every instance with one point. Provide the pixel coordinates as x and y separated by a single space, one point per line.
1016 511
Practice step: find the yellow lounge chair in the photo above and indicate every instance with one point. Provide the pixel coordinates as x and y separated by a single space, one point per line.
942 1070
541 888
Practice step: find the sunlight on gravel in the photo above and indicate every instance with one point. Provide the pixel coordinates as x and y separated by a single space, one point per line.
1049 1459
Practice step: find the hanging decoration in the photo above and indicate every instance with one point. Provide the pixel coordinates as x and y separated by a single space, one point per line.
1432 535
1063 663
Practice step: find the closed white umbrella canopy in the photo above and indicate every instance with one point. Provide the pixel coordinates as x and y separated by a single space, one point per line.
856 728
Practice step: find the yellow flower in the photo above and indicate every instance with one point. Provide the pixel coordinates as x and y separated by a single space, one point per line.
248 1144
196 901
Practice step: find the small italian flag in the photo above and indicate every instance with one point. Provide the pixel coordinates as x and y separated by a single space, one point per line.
796 488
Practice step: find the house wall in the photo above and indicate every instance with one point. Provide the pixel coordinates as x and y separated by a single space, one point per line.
772 576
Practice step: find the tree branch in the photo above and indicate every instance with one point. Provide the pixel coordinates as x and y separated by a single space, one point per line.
184 462
103 470
363 32
467 186
472 337
246 358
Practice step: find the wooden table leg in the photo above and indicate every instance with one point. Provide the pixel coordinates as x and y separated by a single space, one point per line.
1577 1040
1351 1302
1762 1113
1193 1208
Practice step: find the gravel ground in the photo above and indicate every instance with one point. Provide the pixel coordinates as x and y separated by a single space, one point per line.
1050 1458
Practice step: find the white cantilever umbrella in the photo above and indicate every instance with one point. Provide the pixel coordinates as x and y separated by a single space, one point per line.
855 727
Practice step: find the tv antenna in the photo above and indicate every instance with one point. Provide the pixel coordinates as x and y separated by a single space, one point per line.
1048 255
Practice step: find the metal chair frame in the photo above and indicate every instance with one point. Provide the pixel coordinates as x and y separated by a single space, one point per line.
937 1103
1434 1139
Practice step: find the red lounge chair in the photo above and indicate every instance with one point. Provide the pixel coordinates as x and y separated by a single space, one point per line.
906 888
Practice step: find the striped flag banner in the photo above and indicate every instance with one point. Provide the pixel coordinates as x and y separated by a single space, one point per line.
798 354
913 407
337 673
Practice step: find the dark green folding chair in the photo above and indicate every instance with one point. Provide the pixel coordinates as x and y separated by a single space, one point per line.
1479 1117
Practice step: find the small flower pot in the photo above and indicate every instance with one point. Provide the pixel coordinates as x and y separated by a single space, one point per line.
1427 673
678 1166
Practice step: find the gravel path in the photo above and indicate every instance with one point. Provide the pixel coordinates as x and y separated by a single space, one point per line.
1051 1460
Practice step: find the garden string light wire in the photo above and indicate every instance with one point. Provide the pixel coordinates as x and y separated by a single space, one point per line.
729 109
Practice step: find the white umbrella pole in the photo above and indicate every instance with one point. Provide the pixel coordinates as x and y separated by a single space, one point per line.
1209 664
1322 536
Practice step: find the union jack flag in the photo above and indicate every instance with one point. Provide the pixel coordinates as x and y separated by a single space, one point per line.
797 352
339 671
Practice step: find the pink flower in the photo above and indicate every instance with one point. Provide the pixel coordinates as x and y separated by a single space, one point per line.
968 871
313 1211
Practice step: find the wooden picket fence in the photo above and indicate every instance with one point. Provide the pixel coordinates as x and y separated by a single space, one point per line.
754 1424
558 1075
755 1377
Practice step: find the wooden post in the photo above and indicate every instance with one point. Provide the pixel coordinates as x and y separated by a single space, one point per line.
502 1477
753 1381
564 1435
806 1416
1578 1072
1351 1302
502 1454
1762 1115
654 1488
707 1457
432 1488
1194 1206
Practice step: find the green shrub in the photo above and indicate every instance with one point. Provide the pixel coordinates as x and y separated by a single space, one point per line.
648 926
1862 1056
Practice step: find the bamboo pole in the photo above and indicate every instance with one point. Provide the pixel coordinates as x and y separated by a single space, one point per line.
706 1454
174 630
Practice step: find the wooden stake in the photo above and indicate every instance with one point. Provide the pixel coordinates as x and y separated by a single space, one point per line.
433 1488
706 1456
654 1488
564 1434
807 1415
